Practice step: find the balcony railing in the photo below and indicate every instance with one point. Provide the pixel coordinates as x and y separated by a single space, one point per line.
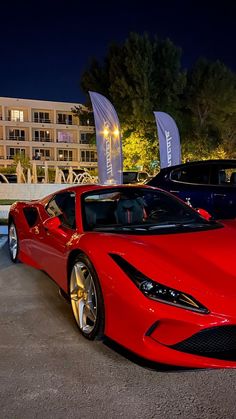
17 138
14 119
42 120
85 142
42 140
64 122
11 157
65 158
43 158
71 141
89 161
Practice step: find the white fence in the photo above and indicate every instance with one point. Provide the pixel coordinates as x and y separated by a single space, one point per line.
24 191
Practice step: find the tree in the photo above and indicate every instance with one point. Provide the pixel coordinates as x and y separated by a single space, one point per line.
139 153
144 75
211 99
141 76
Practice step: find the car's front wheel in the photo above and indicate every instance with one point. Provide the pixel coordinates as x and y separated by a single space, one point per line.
13 242
86 298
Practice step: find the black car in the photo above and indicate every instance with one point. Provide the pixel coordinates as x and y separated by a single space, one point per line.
209 184
8 178
133 176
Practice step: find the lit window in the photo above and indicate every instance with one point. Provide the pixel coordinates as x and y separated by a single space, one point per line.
17 116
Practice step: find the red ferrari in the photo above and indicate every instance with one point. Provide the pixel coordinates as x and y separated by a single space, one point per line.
139 266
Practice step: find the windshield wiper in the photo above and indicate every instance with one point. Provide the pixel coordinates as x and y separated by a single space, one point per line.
122 228
159 226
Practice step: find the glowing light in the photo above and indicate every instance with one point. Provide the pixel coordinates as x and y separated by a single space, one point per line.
106 132
116 133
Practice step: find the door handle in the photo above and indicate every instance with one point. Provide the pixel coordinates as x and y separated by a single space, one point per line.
174 191
35 230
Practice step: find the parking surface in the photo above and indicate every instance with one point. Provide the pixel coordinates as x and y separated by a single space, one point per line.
47 370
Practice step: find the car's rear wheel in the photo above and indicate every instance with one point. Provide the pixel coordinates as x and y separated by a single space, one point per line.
13 242
86 298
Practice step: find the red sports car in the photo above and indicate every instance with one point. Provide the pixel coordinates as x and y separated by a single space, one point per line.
139 266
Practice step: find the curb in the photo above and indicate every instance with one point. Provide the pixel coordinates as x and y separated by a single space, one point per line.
3 230
3 240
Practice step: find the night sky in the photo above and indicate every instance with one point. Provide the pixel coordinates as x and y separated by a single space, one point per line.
46 45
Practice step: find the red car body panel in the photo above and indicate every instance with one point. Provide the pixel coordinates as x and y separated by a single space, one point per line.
202 264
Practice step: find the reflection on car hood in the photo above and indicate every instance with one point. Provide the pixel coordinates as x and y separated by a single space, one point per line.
203 260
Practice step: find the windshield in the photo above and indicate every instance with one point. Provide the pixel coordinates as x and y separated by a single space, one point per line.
139 210
130 177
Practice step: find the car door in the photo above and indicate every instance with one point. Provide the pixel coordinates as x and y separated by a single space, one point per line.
191 184
223 181
51 245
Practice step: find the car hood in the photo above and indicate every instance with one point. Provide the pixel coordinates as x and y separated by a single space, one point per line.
202 261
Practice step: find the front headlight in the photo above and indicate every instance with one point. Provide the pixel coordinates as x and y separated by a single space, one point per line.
157 291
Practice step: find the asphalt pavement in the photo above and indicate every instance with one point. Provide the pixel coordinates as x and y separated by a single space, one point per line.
48 370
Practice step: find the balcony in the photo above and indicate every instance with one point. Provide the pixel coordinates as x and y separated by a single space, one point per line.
17 138
42 120
64 122
14 119
65 158
11 156
43 140
43 158
64 141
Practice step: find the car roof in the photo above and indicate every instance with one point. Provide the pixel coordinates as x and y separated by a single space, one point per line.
90 188
134 171
202 163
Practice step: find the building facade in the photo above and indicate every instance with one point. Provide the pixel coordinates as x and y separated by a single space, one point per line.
43 130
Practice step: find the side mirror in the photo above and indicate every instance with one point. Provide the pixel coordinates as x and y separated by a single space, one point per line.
52 225
205 214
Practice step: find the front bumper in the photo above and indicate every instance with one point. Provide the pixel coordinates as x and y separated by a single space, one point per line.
209 347
174 336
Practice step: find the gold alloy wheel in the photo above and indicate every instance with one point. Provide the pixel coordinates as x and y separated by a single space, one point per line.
83 297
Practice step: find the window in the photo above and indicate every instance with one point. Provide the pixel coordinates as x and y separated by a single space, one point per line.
41 152
16 151
16 134
42 136
63 206
65 155
63 118
41 117
85 138
196 174
224 175
17 116
88 156
65 137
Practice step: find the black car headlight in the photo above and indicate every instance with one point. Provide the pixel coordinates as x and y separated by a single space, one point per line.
157 291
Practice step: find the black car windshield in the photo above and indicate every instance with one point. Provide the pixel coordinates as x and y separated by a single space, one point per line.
130 177
136 210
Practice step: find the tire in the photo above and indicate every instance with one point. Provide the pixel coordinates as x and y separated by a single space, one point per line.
13 242
86 298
